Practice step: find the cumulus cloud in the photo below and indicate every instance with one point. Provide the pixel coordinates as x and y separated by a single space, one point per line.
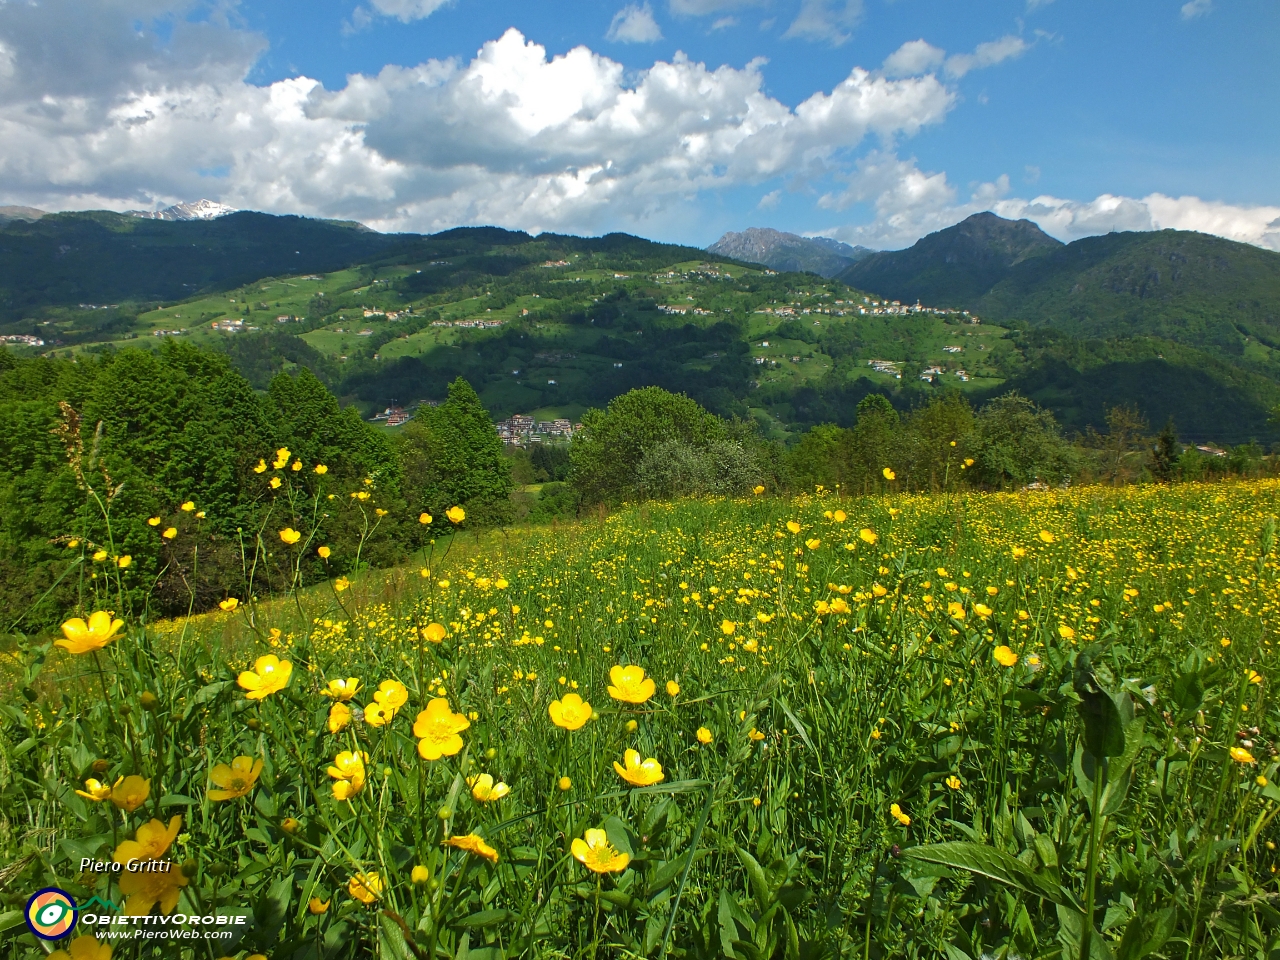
512 137
827 21
1196 8
407 11
985 55
913 58
917 57
634 24
909 202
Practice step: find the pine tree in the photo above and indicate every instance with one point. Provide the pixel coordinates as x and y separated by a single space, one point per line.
452 456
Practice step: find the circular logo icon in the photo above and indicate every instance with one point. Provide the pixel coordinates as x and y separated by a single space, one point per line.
51 913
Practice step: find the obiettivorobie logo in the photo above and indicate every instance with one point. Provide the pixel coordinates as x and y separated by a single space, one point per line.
51 913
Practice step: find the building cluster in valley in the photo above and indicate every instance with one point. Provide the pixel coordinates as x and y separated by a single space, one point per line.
521 429
869 307
23 338
477 323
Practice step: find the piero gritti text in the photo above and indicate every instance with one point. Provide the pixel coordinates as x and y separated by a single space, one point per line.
132 865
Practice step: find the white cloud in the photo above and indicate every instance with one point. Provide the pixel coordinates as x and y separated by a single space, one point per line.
770 200
1196 8
634 24
825 20
986 55
512 137
914 58
909 203
724 23
407 11
701 8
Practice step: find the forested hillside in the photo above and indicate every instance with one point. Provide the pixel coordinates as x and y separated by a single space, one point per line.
1177 325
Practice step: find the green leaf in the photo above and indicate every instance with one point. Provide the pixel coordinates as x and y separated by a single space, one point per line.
795 721
991 863
755 876
1188 693
1103 724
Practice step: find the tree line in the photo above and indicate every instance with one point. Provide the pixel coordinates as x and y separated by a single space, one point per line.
170 465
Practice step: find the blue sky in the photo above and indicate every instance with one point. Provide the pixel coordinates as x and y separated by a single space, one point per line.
675 119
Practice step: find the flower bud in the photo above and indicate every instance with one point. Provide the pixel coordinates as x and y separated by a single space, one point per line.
444 813
217 870
100 766
290 825
189 868
149 701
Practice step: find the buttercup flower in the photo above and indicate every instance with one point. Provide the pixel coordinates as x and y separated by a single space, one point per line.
349 773
982 610
793 526
290 535
704 735
391 695
318 906
188 506
564 783
1004 656
673 688
129 793
889 474
630 685
1065 632
324 552
376 715
727 627
757 490
339 689
953 782
282 457
594 852
365 887
170 533
474 845
425 518
456 514
95 791
895 811
80 637
320 469
570 712
339 717
228 604
434 633
637 772
1241 755
1047 537
235 781
437 729
143 891
485 790
269 675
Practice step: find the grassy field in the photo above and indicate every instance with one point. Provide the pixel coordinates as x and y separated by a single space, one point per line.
886 727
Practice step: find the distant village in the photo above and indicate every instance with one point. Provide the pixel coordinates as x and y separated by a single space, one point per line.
521 430
868 308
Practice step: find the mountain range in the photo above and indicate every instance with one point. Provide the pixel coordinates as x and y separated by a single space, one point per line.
789 252
1176 324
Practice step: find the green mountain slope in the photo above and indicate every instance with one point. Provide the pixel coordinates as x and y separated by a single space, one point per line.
102 258
955 266
551 325
1188 287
